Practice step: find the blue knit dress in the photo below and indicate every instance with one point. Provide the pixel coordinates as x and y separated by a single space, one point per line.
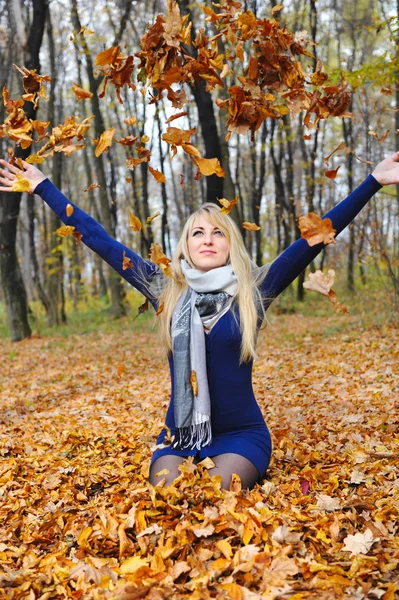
237 422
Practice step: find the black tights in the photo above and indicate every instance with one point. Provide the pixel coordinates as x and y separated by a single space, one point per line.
225 465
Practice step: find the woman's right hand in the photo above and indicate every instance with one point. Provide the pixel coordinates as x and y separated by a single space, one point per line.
8 175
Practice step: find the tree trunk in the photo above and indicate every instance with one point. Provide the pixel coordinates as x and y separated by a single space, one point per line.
10 274
117 306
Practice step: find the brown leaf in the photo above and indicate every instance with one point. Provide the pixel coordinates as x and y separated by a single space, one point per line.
152 217
332 173
316 230
92 186
80 93
126 262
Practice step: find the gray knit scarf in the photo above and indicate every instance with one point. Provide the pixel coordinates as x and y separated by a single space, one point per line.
209 297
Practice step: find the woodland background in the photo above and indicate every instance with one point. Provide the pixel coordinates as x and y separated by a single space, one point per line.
282 171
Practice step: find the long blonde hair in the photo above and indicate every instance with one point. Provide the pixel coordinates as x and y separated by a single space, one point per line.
248 276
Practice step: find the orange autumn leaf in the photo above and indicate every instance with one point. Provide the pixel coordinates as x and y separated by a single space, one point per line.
227 205
80 93
78 236
332 173
92 186
158 176
176 116
152 217
34 159
130 121
121 369
134 222
209 166
160 309
158 257
65 230
177 136
316 230
194 382
69 210
105 141
250 226
126 262
341 146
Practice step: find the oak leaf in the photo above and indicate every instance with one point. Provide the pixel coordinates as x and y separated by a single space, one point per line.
316 230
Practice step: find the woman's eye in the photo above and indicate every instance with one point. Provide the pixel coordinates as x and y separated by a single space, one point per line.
196 232
220 233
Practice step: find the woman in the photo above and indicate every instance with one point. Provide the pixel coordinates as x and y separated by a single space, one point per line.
212 310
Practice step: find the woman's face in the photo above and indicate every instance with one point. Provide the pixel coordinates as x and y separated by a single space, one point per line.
207 245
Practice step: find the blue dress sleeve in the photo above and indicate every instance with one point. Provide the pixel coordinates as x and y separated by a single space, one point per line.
140 275
286 267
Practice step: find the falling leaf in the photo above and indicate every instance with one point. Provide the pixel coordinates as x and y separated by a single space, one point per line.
160 309
126 262
86 31
318 282
332 173
105 141
135 222
360 543
130 121
227 205
210 166
92 186
177 116
80 93
152 217
78 236
316 230
158 176
341 146
384 136
250 226
181 181
159 258
277 8
69 210
65 230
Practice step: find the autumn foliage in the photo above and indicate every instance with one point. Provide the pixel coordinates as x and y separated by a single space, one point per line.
79 519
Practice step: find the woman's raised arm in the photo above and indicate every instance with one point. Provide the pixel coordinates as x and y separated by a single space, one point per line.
139 274
286 267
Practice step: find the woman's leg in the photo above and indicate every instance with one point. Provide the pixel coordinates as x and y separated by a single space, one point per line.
229 463
170 462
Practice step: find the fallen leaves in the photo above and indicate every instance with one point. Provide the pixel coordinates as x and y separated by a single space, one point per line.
77 513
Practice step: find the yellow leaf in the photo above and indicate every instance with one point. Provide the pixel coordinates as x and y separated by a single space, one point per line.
277 8
65 230
21 184
158 176
105 141
132 564
83 538
130 120
250 226
69 210
225 548
194 383
210 166
135 222
227 205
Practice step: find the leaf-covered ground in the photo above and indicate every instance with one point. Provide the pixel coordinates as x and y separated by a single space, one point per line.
78 420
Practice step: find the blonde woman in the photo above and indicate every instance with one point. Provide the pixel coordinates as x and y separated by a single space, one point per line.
213 309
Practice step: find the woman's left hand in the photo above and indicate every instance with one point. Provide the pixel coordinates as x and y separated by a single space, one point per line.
387 171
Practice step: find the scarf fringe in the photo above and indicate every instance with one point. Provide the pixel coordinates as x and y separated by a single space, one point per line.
193 436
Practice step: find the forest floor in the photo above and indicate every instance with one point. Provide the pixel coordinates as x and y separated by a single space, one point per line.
78 420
